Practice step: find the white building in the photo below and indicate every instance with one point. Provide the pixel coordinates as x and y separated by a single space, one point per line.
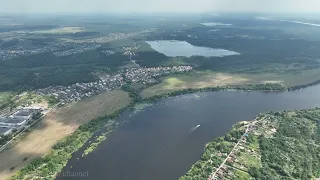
19 118
11 121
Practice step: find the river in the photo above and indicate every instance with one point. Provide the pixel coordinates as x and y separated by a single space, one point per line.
157 143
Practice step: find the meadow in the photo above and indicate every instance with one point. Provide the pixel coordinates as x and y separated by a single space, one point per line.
202 79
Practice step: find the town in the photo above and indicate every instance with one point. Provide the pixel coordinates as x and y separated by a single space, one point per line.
21 45
15 120
108 82
244 153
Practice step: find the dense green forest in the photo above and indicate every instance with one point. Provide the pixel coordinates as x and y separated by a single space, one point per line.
293 153
45 69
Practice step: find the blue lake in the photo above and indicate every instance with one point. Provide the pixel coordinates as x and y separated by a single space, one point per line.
172 48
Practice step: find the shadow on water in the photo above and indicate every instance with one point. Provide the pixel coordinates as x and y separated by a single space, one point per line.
157 143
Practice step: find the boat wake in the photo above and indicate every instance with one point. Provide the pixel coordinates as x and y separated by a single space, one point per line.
194 128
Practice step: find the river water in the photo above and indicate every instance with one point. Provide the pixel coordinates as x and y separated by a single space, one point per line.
158 143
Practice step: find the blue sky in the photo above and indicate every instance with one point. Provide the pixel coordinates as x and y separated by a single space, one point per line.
100 6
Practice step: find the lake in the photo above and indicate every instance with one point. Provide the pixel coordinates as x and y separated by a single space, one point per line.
172 48
158 144
215 24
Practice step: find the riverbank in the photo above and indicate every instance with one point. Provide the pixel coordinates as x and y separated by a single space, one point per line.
56 160
256 150
259 87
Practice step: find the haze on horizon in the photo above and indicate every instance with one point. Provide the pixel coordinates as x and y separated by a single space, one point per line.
149 6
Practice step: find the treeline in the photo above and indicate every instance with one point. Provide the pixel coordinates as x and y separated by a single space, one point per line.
304 85
133 93
258 87
47 166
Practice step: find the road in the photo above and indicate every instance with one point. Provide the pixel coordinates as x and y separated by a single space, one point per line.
15 137
213 175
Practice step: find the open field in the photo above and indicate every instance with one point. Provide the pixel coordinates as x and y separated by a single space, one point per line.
202 79
63 30
245 161
57 125
192 80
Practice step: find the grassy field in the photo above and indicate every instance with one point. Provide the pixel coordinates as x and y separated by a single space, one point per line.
240 175
201 79
255 143
248 160
57 125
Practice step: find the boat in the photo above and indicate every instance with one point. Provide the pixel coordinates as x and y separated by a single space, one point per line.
194 128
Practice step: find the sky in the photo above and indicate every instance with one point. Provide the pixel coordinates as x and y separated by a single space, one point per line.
147 6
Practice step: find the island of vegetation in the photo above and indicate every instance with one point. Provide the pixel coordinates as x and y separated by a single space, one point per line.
276 145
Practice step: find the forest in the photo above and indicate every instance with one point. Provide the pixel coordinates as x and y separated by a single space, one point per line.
45 69
293 152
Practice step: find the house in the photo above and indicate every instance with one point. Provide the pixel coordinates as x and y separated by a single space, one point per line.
233 155
229 160
5 131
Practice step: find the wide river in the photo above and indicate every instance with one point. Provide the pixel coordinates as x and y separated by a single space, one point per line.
157 144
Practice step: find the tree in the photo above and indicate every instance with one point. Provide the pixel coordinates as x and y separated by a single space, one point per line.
12 103
255 172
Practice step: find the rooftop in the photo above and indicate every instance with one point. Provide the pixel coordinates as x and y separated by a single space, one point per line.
25 112
3 130
11 120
